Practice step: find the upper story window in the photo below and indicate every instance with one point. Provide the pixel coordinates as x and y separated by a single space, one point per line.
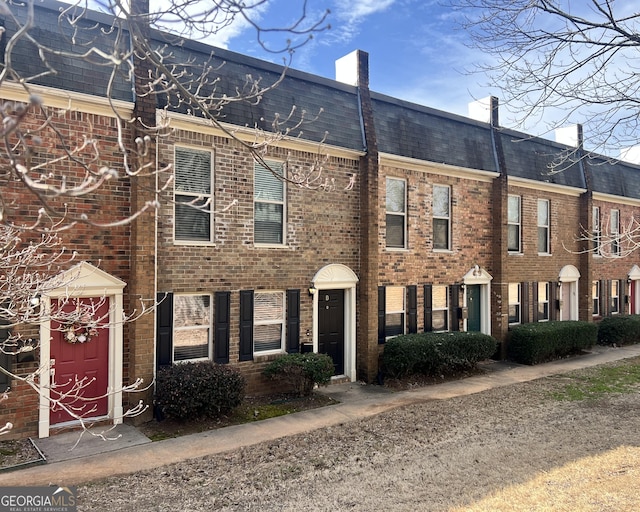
596 230
441 217
268 322
543 226
394 311
543 301
440 308
191 327
269 203
615 297
595 294
614 232
514 303
514 224
396 210
193 195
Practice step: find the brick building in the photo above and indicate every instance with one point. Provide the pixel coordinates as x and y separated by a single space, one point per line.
429 222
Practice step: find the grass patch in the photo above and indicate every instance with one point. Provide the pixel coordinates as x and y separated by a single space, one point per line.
599 382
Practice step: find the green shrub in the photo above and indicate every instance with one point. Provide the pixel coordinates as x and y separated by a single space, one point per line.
619 330
198 390
302 371
435 353
543 341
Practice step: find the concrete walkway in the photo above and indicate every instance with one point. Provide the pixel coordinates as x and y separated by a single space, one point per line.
93 459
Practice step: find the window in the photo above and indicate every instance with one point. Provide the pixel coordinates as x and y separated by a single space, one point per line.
269 203
396 213
441 217
193 195
596 230
514 303
543 302
543 226
394 311
595 293
614 231
513 222
268 322
440 311
615 297
191 327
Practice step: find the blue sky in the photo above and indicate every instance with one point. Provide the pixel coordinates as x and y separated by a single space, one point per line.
416 53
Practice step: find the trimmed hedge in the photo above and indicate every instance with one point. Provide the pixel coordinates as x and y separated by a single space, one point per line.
302 371
435 353
619 330
543 341
198 390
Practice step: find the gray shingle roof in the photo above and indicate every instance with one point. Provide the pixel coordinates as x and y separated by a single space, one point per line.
614 177
414 131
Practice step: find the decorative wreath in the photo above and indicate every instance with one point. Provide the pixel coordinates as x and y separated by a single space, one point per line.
79 333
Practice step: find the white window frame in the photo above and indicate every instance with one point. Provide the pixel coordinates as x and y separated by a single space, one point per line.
402 214
202 198
446 217
517 224
275 166
614 232
193 327
544 227
615 297
435 308
596 231
546 287
281 321
390 311
596 307
517 303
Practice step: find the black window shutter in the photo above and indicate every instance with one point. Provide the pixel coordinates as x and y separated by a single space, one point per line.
164 329
223 324
293 321
605 286
5 362
534 292
428 308
412 309
381 314
455 307
553 301
246 325
524 302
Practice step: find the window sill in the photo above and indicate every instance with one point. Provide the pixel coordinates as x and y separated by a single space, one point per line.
187 243
545 254
271 246
443 251
396 249
514 253
266 358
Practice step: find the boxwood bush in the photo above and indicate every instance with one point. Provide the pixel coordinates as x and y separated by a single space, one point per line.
198 390
543 341
302 371
435 353
619 330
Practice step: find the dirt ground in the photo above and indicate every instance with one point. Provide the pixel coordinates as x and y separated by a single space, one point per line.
432 456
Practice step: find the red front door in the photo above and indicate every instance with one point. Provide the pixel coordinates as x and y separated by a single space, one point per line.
72 362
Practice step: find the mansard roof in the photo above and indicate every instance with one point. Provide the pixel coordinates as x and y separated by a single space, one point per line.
614 177
413 131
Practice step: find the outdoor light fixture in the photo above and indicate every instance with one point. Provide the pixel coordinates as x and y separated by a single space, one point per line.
312 290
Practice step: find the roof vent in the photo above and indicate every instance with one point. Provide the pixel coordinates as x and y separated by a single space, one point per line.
347 69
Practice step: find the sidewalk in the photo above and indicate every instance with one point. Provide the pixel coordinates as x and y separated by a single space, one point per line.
94 459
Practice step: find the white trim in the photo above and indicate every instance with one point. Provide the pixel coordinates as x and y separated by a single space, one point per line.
609 198
252 136
569 277
441 169
339 277
480 276
85 280
545 187
62 99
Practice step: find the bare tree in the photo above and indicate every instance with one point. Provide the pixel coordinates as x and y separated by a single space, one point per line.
58 170
565 61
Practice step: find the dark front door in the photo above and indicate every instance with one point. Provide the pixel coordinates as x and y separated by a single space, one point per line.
331 326
473 305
